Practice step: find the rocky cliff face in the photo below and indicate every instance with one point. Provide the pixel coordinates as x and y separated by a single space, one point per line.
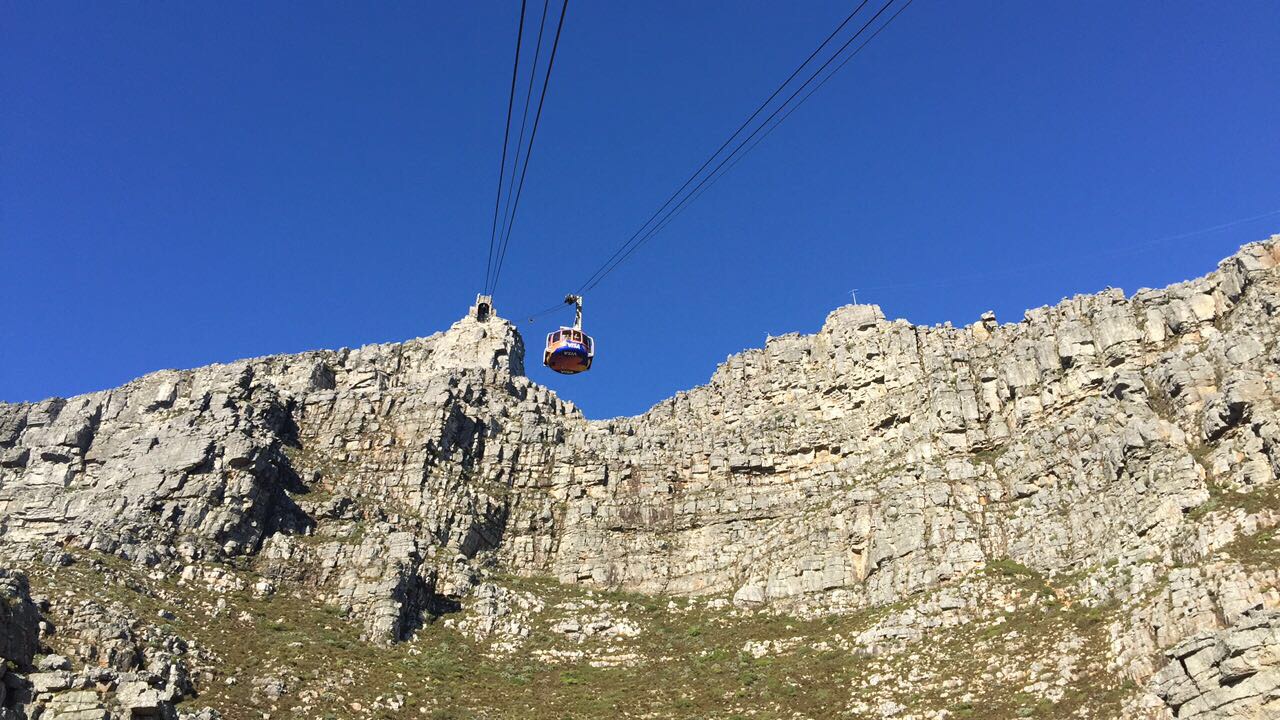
1123 450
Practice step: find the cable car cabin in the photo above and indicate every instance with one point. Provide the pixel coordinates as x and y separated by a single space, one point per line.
569 351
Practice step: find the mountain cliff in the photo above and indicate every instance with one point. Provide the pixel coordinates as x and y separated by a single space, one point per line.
1068 516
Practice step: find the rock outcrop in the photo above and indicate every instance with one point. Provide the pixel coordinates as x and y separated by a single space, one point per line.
1126 442
1234 672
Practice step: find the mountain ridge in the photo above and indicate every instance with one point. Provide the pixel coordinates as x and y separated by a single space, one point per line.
1105 450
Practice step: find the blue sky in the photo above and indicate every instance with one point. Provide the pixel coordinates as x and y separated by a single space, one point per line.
183 184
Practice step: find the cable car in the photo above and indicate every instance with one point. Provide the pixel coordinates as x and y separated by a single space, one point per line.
570 351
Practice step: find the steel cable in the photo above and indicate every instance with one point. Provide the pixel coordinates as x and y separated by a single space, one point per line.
609 267
711 158
506 136
551 61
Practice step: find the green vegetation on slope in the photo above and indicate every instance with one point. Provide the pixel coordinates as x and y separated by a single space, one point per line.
689 658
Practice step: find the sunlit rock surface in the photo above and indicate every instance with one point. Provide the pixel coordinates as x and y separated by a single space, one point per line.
1124 448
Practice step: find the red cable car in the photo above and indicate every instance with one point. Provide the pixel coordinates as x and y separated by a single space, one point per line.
570 351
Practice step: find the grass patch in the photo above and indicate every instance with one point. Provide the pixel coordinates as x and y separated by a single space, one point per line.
1260 550
1226 499
692 658
1027 578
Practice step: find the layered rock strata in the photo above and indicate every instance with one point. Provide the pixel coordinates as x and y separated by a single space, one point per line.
860 466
